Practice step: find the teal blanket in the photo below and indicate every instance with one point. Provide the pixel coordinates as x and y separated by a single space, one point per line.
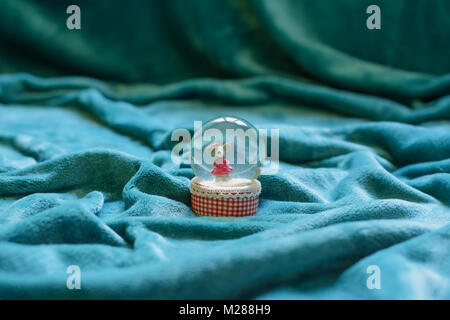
358 210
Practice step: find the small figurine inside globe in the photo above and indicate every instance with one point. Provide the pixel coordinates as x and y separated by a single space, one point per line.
226 160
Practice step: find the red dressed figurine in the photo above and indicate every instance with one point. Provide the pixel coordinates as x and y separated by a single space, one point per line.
221 167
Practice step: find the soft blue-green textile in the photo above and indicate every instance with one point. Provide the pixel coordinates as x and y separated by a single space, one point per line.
86 176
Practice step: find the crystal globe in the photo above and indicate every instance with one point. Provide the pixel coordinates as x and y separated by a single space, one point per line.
226 151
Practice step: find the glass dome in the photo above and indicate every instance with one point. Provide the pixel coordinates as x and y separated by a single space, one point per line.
226 150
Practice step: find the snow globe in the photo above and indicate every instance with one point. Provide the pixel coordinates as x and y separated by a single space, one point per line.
226 160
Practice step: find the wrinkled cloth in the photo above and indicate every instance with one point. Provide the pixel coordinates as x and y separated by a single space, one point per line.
87 178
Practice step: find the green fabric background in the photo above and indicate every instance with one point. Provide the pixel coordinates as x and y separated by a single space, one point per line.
86 176
165 41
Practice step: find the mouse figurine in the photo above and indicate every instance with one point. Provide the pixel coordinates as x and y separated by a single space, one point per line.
221 169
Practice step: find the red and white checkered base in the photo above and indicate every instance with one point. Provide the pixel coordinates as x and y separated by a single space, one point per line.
225 201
